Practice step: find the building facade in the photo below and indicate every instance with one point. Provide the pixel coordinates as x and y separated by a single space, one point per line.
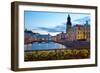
79 33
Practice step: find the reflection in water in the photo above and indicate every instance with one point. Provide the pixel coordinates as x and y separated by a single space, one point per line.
43 46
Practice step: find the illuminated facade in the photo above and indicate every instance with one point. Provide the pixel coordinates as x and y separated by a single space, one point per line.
79 32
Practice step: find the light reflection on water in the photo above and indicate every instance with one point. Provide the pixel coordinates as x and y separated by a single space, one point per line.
43 46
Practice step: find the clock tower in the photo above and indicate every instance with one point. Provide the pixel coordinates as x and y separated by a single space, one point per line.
68 24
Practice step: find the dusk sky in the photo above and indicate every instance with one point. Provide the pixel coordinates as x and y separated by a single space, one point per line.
52 22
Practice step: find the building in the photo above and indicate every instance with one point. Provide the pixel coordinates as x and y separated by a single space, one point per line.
87 31
76 32
79 32
29 36
68 24
44 37
71 34
59 37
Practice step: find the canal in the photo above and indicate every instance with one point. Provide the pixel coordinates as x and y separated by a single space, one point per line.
43 46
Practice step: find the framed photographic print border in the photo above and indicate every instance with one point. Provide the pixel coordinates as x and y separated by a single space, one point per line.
15 35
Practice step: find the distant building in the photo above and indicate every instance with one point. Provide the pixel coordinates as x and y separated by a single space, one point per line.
44 37
87 31
30 36
68 24
27 35
59 37
63 35
54 38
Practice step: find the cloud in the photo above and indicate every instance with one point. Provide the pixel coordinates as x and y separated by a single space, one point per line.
58 28
45 31
83 20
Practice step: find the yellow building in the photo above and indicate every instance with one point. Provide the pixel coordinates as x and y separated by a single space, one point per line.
80 35
83 32
78 32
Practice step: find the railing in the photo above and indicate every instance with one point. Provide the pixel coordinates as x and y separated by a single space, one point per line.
56 54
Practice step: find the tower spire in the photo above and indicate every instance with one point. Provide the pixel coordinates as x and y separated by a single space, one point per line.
69 24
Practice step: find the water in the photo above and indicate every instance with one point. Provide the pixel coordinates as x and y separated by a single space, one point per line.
43 46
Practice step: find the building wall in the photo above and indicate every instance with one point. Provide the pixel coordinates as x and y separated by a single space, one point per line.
78 32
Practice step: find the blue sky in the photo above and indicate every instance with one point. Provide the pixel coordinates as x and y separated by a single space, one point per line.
51 22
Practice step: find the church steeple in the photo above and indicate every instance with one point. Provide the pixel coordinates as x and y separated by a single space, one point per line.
69 24
68 18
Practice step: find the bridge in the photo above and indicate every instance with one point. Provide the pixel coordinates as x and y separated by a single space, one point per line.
71 44
32 41
56 41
